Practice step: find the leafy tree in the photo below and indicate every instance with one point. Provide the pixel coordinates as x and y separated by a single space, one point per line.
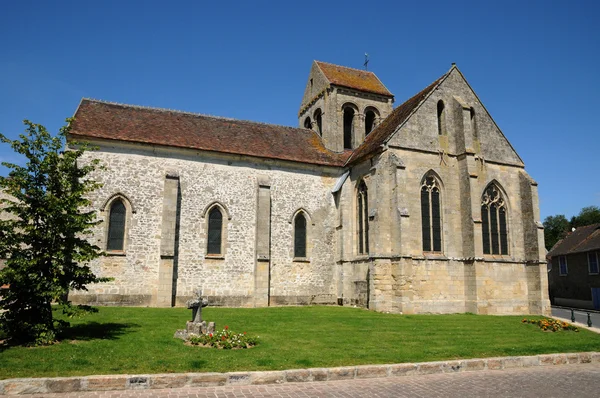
44 239
588 215
555 228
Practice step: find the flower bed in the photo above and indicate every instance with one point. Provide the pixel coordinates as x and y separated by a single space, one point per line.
551 325
225 339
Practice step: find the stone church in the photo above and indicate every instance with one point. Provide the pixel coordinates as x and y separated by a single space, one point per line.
422 208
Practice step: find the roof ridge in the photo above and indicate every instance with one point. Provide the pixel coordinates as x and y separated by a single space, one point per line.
158 109
345 67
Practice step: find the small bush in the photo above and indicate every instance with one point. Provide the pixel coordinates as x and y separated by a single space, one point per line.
225 339
551 325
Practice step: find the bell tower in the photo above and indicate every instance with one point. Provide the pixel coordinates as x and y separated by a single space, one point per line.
343 105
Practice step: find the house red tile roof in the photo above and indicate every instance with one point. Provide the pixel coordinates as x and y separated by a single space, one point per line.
353 78
388 126
583 239
104 120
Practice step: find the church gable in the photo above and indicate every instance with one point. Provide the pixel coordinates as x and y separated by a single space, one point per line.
451 119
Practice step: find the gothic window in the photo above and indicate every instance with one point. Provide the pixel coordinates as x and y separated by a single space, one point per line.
348 127
215 231
369 122
116 226
441 118
319 120
362 204
307 123
431 219
300 235
493 221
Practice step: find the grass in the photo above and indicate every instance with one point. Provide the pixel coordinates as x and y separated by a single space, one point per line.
140 340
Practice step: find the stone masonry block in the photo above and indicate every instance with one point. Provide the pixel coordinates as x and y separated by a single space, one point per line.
267 377
546 360
473 364
595 357
515 362
429 368
25 386
585 357
343 373
62 385
168 381
495 364
105 383
318 374
530 361
365 372
238 378
207 379
297 375
403 369
452 367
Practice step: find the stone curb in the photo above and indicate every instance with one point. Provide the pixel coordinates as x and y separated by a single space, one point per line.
178 380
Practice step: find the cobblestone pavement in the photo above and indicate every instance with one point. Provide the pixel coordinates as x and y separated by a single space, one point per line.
544 381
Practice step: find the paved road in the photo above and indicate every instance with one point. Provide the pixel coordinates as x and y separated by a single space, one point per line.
580 316
541 381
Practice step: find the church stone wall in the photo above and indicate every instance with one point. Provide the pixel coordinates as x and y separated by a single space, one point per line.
138 173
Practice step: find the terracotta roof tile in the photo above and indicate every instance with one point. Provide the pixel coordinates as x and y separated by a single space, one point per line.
583 239
353 78
98 119
377 137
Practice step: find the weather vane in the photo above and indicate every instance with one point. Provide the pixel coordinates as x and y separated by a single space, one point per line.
366 61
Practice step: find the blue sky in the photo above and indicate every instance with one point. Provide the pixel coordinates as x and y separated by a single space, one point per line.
533 64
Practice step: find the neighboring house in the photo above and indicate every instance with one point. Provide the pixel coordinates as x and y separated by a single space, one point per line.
574 280
425 208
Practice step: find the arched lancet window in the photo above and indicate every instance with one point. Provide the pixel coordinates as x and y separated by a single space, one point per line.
362 204
369 121
215 231
441 118
319 120
116 226
473 123
348 127
307 123
431 215
493 221
300 235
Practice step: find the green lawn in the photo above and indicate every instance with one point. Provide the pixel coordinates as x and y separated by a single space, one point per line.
140 340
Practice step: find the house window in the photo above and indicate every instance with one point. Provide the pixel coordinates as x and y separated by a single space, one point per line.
215 231
307 123
431 215
369 122
441 118
116 226
363 218
348 127
562 265
593 262
300 236
494 222
319 120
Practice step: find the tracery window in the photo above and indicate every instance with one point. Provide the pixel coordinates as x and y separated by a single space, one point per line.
215 231
362 204
431 219
116 226
493 221
300 235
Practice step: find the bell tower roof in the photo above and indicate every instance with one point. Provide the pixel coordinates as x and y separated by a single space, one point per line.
357 79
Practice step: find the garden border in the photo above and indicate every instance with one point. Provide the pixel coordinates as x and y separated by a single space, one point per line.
178 380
